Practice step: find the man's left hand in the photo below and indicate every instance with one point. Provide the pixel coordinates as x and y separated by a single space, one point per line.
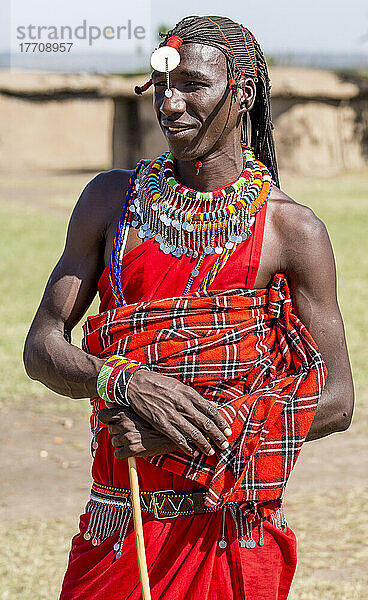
133 436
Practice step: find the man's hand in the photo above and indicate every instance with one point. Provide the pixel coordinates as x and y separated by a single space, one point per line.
132 436
178 412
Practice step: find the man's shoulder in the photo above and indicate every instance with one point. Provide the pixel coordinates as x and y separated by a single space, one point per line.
100 204
112 181
291 220
103 195
299 235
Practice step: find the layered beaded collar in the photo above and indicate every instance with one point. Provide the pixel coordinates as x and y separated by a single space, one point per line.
187 222
190 222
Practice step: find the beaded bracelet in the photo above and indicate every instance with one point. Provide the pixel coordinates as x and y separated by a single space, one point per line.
114 377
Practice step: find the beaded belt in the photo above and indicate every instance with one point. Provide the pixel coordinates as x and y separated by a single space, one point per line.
110 510
164 504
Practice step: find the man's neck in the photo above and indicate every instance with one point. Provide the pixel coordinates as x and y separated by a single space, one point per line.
219 167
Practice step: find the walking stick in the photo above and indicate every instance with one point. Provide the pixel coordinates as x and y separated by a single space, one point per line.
138 529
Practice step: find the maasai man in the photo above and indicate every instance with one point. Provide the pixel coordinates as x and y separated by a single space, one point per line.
218 302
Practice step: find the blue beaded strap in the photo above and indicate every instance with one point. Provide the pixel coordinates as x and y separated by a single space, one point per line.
115 260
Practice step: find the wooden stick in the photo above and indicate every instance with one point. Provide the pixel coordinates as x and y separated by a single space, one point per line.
138 529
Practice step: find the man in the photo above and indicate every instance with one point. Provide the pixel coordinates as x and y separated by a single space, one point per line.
201 296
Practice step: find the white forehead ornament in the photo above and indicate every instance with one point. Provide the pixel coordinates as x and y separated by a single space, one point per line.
166 59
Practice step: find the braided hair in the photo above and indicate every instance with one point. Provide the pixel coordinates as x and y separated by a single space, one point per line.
244 57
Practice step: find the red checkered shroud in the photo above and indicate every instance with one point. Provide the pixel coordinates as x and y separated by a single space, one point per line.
247 351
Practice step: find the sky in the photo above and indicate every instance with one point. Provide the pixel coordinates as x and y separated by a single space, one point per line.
286 25
336 26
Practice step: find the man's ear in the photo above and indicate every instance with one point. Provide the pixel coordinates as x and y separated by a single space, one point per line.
246 94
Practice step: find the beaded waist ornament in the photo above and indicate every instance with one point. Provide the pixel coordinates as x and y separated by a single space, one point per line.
111 511
189 222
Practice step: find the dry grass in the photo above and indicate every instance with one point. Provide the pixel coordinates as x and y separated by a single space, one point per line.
33 559
332 548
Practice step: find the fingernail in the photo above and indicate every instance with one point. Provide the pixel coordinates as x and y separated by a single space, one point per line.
227 431
211 452
225 445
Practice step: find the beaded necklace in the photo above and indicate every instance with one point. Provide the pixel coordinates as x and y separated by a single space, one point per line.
189 222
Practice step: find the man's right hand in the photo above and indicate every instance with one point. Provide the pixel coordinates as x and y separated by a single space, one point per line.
178 412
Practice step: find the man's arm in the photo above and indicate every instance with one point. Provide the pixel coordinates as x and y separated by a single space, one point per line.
308 261
49 355
168 406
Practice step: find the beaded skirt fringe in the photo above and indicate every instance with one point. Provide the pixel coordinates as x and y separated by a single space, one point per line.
105 519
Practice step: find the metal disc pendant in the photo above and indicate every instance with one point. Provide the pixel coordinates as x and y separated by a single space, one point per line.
232 238
118 555
219 250
222 544
168 93
95 542
261 542
134 223
195 254
154 206
165 58
87 536
251 544
158 238
229 245
242 543
141 234
195 273
116 546
190 227
209 250
167 249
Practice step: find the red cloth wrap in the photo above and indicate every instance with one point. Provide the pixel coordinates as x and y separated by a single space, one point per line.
250 353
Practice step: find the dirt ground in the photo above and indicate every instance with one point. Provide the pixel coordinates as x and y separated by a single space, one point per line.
45 464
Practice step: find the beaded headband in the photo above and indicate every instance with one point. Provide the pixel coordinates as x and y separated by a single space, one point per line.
167 58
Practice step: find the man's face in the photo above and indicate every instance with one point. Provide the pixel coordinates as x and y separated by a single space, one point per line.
196 118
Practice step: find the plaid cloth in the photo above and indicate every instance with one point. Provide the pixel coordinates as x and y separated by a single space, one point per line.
249 353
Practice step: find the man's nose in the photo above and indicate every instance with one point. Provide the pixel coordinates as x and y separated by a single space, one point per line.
173 105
